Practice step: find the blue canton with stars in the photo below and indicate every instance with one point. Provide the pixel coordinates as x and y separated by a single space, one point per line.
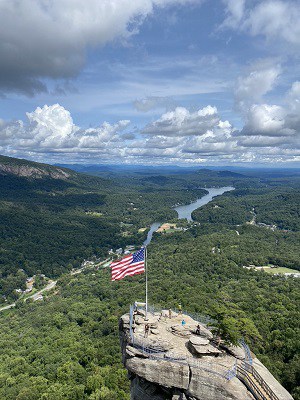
138 256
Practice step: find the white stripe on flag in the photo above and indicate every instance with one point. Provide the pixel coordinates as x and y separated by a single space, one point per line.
132 268
120 262
126 266
135 271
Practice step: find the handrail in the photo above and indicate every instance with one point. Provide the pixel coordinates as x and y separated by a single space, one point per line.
248 367
148 348
251 385
160 354
246 373
251 378
257 384
248 357
204 319
264 384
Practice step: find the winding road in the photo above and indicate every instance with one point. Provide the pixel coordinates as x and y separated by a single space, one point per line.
34 296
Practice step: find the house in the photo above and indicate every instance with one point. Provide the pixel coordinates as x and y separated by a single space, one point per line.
129 248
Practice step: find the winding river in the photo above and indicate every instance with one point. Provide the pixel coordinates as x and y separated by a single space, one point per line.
186 210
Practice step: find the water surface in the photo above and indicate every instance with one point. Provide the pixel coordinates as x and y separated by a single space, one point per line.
153 228
186 210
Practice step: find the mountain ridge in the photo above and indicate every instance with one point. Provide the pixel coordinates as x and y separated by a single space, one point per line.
32 169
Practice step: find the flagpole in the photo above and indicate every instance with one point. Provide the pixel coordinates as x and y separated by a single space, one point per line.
146 276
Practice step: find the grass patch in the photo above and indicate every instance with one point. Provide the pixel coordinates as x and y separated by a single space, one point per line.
281 270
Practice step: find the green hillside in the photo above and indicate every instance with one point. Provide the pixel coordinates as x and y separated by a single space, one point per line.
66 347
50 223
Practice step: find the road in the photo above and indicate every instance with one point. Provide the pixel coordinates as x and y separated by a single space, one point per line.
34 296
50 286
8 307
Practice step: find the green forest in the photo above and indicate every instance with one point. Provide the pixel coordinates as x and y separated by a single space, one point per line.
50 225
67 347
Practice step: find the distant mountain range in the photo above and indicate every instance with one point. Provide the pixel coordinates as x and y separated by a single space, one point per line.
35 170
97 169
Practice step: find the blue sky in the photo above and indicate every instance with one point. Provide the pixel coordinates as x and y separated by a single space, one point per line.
185 82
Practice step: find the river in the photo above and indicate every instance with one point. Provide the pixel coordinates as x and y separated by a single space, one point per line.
186 210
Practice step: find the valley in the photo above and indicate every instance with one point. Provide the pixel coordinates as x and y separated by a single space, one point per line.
67 346
149 156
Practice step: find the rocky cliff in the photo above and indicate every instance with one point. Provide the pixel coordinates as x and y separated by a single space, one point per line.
30 169
177 361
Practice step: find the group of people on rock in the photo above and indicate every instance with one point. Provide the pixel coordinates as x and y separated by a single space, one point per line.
147 325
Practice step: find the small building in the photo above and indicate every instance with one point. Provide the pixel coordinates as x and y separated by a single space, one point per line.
129 247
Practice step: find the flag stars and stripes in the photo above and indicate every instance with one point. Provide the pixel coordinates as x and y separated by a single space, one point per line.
130 265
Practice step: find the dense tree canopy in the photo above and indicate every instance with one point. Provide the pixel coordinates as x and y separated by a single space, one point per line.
67 346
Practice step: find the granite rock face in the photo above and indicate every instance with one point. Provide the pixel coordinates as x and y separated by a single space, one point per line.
200 346
34 172
198 341
174 363
210 386
164 373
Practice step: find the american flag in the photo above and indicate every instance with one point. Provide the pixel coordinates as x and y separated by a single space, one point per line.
130 265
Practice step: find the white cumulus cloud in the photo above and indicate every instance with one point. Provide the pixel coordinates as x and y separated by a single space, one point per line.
274 19
51 128
266 120
182 122
259 80
270 134
49 39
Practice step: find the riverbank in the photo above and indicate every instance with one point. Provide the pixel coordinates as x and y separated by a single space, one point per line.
185 211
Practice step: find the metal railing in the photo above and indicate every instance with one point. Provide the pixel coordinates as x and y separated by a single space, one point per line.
248 357
147 347
245 372
131 311
160 354
251 378
231 373
204 319
255 383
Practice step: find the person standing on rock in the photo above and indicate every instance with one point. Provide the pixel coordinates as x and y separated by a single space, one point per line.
179 309
147 328
170 313
198 330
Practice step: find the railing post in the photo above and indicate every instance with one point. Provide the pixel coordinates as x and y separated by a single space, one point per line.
131 321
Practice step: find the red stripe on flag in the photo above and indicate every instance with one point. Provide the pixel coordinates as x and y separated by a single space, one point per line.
118 268
122 261
130 269
136 271
126 267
